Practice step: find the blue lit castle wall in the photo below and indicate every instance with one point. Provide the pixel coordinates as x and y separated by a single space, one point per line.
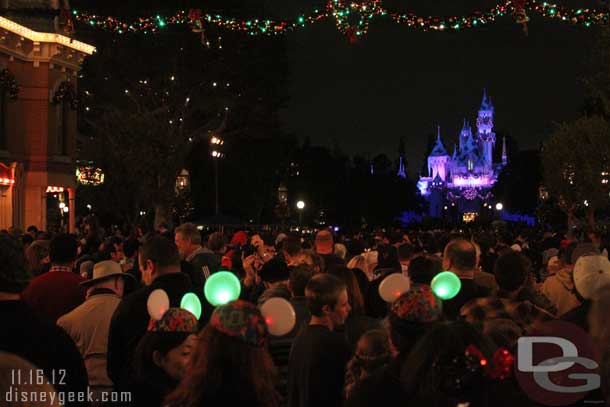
461 183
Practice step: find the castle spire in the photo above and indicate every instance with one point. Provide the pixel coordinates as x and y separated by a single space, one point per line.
454 151
486 102
401 169
438 149
504 156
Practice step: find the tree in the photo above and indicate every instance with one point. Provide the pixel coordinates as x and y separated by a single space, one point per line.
156 111
518 184
140 123
576 164
596 78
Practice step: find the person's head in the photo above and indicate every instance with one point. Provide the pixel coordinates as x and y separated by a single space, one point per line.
423 269
164 352
299 277
274 272
217 242
459 256
14 276
411 315
187 239
358 262
107 274
130 247
405 253
313 259
372 354
32 231
327 299
231 356
37 257
512 271
85 269
324 243
291 248
158 256
439 371
387 257
112 249
340 251
63 250
356 300
26 240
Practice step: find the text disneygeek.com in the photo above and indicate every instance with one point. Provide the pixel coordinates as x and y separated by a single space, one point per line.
19 395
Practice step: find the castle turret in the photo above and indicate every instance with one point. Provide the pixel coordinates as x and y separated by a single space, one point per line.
438 159
465 133
485 135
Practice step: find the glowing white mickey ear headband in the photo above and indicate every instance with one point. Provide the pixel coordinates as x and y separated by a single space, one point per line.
158 304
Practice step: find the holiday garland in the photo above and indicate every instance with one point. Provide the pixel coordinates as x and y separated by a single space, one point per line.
65 92
352 18
8 84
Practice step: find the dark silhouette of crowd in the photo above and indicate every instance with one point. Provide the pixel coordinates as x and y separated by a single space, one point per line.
78 318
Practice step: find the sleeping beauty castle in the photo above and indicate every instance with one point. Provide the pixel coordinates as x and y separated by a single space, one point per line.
461 183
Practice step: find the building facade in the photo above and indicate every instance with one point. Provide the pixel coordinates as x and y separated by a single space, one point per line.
462 182
38 117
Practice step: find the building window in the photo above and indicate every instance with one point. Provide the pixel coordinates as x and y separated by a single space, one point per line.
64 100
9 90
61 128
470 165
3 135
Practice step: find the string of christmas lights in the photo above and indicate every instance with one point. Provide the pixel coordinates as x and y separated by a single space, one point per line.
351 18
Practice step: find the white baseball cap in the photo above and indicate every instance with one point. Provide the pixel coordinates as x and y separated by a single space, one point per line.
590 274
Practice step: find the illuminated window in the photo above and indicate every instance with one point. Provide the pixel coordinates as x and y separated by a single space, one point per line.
470 165
469 217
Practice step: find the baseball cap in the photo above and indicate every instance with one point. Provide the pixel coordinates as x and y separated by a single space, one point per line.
590 274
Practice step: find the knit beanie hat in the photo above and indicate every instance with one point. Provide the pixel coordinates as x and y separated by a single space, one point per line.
241 320
175 320
419 304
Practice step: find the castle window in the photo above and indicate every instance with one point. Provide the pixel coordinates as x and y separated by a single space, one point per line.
470 165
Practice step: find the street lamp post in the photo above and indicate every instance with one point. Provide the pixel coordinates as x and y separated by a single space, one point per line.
215 143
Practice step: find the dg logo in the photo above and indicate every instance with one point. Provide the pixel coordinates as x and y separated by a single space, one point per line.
555 365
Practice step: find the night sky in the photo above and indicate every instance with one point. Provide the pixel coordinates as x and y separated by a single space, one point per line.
397 82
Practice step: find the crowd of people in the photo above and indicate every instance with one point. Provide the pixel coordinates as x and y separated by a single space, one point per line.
76 312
